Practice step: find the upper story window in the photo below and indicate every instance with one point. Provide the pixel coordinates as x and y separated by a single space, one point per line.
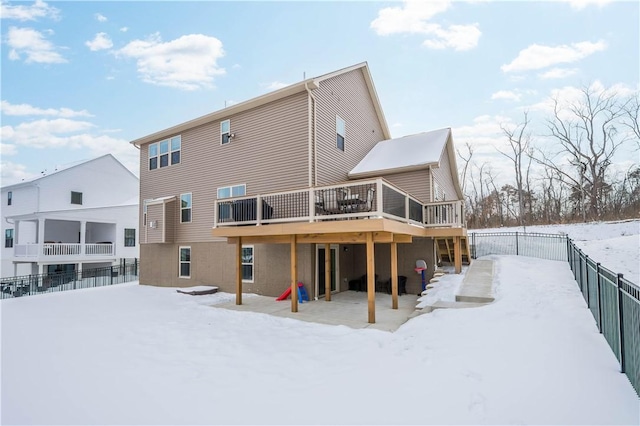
76 197
9 197
165 153
225 132
8 238
340 133
185 208
232 191
129 237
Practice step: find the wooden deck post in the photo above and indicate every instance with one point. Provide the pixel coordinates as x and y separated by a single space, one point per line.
371 279
327 272
457 254
394 275
294 274
239 271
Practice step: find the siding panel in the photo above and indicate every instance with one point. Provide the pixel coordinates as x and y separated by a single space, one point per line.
416 183
443 176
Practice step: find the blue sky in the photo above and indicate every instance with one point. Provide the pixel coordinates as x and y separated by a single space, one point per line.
81 79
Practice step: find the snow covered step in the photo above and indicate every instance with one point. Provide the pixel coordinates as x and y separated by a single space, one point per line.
440 304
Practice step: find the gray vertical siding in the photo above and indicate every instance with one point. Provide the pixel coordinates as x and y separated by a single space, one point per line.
345 95
268 154
416 183
443 175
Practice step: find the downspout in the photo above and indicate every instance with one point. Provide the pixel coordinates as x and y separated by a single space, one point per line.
313 160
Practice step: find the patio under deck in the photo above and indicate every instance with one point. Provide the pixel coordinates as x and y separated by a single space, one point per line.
364 231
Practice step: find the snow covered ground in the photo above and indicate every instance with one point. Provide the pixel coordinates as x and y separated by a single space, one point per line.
132 354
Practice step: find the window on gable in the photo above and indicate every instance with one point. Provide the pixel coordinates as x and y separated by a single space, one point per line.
165 153
9 197
340 133
185 262
247 263
8 238
185 208
225 132
76 197
129 237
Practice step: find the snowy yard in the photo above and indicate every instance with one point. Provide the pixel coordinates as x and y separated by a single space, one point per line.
132 354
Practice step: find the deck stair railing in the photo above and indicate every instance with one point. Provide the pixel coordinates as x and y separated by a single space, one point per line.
374 198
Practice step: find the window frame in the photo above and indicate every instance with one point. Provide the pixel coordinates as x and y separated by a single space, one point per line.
227 140
189 207
342 135
9 198
8 238
77 193
226 208
181 262
170 153
126 238
252 264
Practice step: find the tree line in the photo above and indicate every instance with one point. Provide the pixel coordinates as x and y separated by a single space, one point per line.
563 174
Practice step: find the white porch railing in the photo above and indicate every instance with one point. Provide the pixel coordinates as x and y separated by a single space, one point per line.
36 250
357 199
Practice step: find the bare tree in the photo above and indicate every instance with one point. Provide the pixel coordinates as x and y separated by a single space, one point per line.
519 141
586 133
632 117
466 160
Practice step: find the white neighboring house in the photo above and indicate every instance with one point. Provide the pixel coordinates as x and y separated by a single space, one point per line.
81 217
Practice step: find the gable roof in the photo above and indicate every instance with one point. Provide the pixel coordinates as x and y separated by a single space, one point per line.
310 83
64 169
412 152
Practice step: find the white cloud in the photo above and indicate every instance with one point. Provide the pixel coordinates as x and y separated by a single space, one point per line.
557 73
188 62
32 44
100 17
100 42
538 56
275 85
413 17
8 108
581 4
484 134
13 173
124 29
44 133
7 149
38 9
508 95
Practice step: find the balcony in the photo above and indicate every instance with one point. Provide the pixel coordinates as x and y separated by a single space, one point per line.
374 198
62 251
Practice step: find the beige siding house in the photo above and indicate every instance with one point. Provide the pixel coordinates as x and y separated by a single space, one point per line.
290 187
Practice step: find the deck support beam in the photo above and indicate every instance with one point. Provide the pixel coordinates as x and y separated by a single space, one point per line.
457 253
294 273
239 271
371 279
394 275
327 272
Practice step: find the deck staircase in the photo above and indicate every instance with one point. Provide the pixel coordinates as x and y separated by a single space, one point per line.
445 250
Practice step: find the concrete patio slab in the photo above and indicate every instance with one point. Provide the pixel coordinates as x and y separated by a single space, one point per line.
348 308
477 285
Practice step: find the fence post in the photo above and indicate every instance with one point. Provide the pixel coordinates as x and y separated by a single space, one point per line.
586 271
135 266
580 269
111 275
517 251
599 298
621 323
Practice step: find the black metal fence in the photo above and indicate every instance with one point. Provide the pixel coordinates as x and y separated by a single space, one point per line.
29 285
613 300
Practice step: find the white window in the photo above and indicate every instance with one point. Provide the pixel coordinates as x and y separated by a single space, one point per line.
340 133
225 132
9 198
247 263
185 208
76 197
165 152
8 238
129 237
224 210
185 262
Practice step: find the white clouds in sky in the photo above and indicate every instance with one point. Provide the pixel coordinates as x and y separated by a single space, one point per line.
508 95
188 62
8 108
124 29
539 56
38 9
275 85
100 42
581 4
414 17
557 73
33 45
100 17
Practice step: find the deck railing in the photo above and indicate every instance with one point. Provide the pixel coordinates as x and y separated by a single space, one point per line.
358 199
36 250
